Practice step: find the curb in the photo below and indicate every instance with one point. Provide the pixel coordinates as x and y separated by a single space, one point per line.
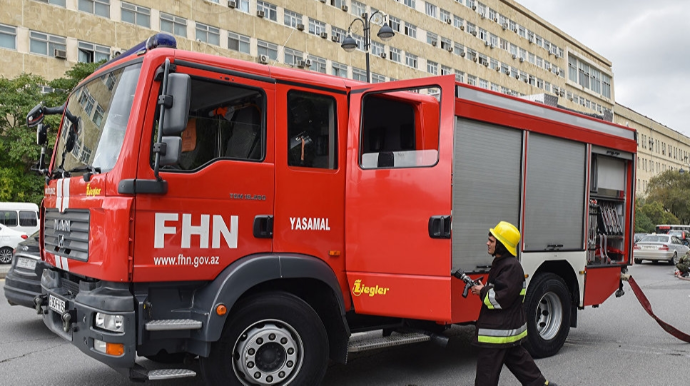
4 269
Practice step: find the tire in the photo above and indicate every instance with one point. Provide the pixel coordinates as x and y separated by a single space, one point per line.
548 307
638 261
5 255
164 357
674 259
282 327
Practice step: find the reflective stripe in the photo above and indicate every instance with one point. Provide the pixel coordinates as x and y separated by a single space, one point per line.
524 290
485 335
490 300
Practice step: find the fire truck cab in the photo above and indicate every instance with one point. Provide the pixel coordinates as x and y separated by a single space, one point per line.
260 217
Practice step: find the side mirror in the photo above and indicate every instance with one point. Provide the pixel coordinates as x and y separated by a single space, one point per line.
176 104
173 150
35 116
41 134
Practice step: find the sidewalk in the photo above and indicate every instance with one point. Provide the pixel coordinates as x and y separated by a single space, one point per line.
4 268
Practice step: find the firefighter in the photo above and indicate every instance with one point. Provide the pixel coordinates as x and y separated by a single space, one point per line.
684 265
502 325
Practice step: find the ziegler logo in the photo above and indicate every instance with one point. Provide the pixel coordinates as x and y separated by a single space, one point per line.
92 192
359 289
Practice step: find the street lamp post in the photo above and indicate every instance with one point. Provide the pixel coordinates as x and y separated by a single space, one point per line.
349 43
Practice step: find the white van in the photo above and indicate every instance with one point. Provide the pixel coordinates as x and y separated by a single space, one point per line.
19 216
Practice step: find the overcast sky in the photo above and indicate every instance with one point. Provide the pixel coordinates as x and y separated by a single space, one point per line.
648 43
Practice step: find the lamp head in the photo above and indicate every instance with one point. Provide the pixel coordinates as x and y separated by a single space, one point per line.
349 44
385 33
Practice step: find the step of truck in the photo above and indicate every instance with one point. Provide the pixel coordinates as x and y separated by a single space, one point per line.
161 375
172 324
365 341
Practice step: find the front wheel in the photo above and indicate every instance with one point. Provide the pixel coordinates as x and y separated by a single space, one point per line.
5 255
674 259
273 338
547 306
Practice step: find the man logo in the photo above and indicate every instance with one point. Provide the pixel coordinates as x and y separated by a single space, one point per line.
61 241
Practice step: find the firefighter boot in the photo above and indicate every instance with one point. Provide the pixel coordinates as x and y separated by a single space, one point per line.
550 384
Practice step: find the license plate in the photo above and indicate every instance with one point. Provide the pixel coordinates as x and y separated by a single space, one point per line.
55 304
25 263
649 247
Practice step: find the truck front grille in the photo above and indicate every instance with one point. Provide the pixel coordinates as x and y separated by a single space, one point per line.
67 233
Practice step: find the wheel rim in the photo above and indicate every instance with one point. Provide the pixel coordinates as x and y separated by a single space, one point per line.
675 258
5 255
269 352
549 315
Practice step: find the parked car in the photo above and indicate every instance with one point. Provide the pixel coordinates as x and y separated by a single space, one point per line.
23 281
9 239
659 248
682 236
638 236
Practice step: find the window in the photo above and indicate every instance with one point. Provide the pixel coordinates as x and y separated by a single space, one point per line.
459 76
317 64
445 15
532 59
339 69
483 83
522 32
231 127
458 49
359 40
46 44
471 29
492 14
392 136
481 9
9 218
445 70
207 34
27 218
358 8
339 33
458 22
358 74
583 74
431 10
596 79
92 53
292 56
493 64
55 2
377 78
312 130
377 48
240 43
432 67
446 43
316 27
493 40
338 3
135 14
409 3
431 38
292 18
482 34
606 85
411 60
395 54
243 5
263 48
8 37
410 30
269 10
173 24
394 23
97 7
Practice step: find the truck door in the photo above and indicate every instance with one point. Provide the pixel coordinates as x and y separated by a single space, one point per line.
398 198
222 186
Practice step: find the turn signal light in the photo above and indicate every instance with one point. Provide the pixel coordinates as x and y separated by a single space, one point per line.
113 349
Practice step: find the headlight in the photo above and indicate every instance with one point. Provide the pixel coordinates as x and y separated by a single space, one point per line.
109 322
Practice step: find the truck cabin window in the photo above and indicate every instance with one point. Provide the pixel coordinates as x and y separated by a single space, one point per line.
400 129
312 135
226 121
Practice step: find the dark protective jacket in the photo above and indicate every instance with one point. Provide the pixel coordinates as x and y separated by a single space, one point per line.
502 320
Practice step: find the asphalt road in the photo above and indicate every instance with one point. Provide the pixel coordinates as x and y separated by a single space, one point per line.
617 344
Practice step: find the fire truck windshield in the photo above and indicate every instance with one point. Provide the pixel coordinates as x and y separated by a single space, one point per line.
101 108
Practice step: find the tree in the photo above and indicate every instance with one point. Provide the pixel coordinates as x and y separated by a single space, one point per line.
671 190
18 149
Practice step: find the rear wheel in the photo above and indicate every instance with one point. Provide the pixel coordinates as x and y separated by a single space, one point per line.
547 306
272 339
5 255
674 259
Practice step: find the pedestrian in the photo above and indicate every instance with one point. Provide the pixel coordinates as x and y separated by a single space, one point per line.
684 265
502 325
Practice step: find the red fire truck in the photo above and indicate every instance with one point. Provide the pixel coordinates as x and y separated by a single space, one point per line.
262 218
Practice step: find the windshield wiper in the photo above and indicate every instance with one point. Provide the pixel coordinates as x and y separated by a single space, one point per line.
90 170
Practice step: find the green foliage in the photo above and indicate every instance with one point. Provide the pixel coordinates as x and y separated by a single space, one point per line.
18 149
671 190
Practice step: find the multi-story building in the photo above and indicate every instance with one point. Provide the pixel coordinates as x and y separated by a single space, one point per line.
495 44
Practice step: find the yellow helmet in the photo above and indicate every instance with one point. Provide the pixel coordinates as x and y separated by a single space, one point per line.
508 235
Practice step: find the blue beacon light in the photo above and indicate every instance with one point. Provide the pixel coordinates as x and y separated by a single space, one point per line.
156 41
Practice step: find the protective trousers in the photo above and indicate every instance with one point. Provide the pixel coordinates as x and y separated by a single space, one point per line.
490 362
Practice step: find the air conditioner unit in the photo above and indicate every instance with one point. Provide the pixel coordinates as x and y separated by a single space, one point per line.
263 59
307 63
300 27
474 33
324 35
300 63
450 49
260 13
323 1
531 41
475 59
548 68
505 26
115 52
507 71
491 45
383 55
525 80
232 4
522 60
486 63
344 8
482 15
462 28
448 21
60 54
335 38
514 56
474 7
433 43
498 68
515 29
495 19
486 43
462 53
571 98
562 93
517 76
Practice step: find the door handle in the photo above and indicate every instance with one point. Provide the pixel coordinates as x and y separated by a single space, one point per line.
263 226
439 227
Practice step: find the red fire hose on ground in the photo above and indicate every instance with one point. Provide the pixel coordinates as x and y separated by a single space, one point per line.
648 307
